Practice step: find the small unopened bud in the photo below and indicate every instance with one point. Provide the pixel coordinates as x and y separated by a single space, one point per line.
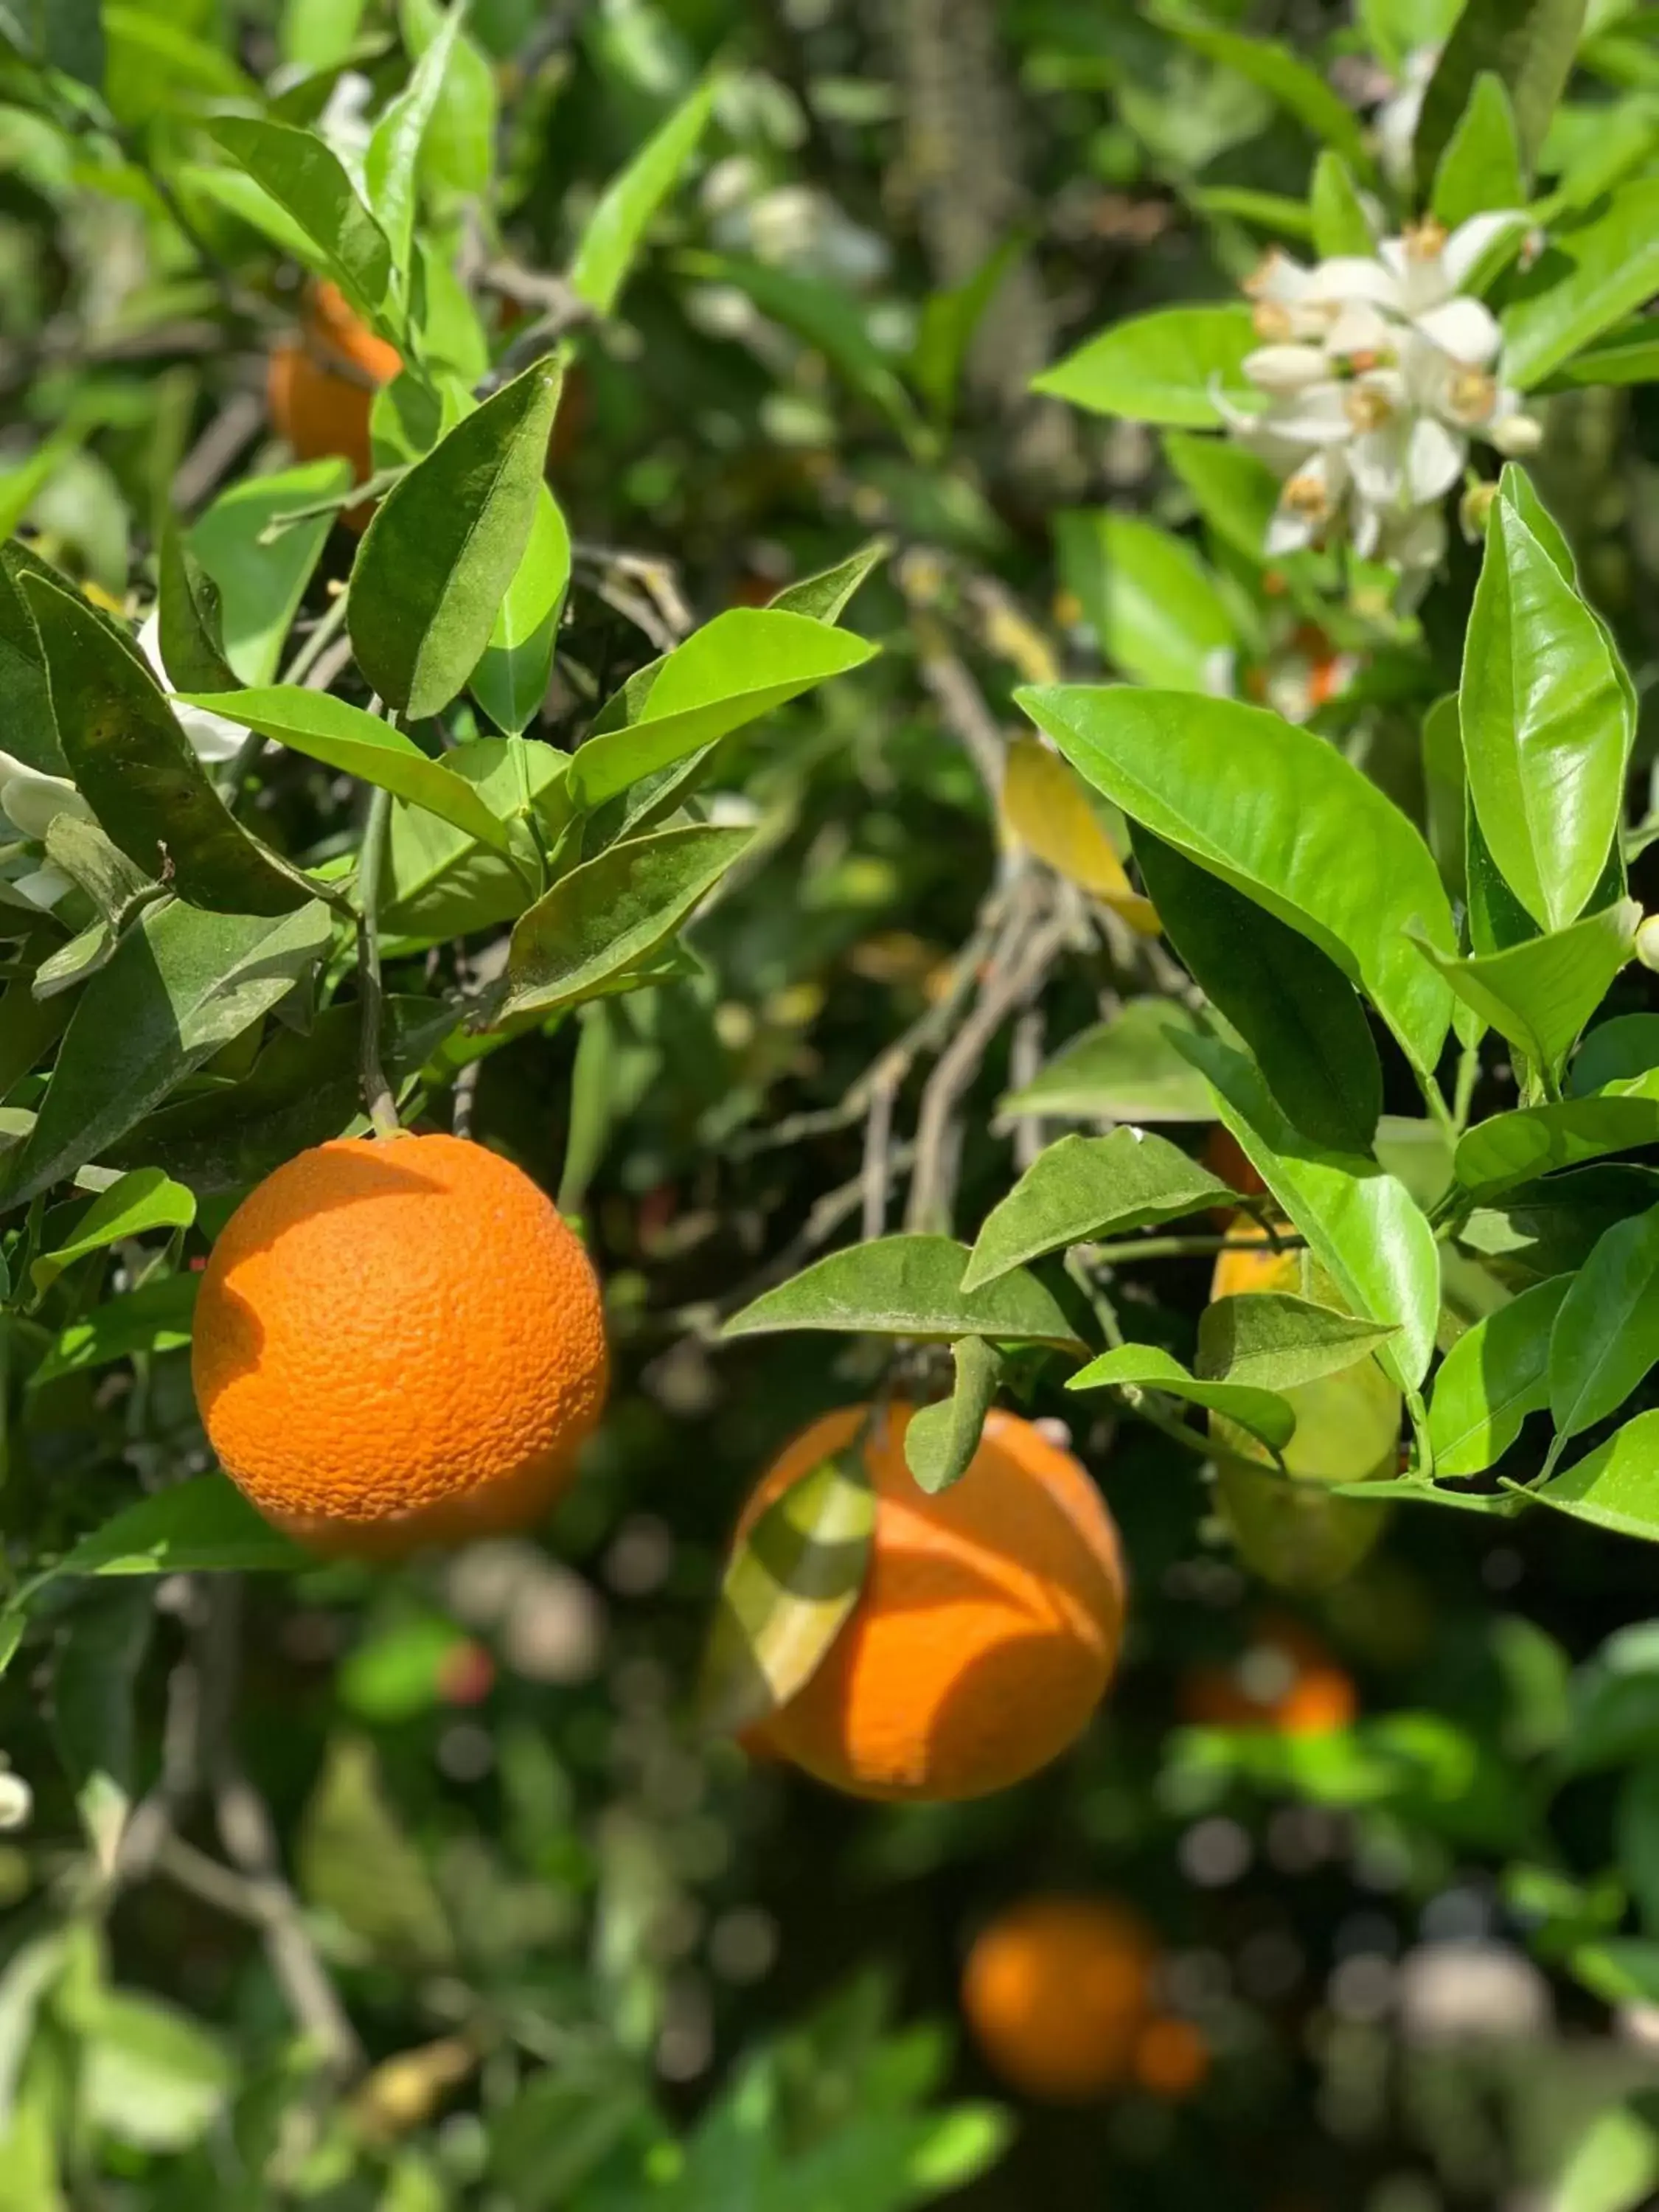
1474 508
1517 436
1647 942
1285 369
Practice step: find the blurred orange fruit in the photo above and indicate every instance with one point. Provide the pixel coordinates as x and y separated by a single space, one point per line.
987 1629
322 384
1288 1682
1171 2059
398 1343
1057 1992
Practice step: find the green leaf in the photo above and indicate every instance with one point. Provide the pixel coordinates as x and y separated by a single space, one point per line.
1591 277
25 695
1233 491
344 737
181 984
1549 1228
309 183
148 2075
613 233
1362 1225
1495 1375
191 623
204 1526
1445 798
1607 1334
1167 368
788 1588
1618 1051
1528 44
733 671
114 883
392 162
948 321
909 1287
1157 611
61 34
261 585
608 915
457 153
1340 224
1278 1342
1512 1148
156 1317
826 318
1614 2164
1294 1006
510 682
1616 1487
444 544
1539 995
1123 1070
137 1202
825 597
1544 729
1480 168
94 1672
136 771
1290 83
357 1863
1144 1366
941 1440
1278 813
441 883
1084 1187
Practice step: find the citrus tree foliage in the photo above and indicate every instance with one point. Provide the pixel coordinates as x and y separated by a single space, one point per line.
613 579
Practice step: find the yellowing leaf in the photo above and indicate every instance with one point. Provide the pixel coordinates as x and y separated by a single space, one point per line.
1045 806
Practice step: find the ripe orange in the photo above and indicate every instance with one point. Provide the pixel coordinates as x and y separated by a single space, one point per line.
988 1625
396 1344
1058 1992
1171 2057
322 384
1288 1683
1254 1267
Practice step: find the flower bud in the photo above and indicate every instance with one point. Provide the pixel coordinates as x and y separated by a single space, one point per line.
1474 508
1647 942
1517 436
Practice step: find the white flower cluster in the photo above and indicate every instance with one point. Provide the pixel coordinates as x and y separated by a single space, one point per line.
1377 373
31 801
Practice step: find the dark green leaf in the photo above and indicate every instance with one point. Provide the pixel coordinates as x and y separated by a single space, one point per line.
1234 492
1528 44
94 1673
1615 1052
608 915
1084 1187
201 1527
1123 1070
191 619
156 1317
444 544
1545 728
1606 1336
1280 814
114 883
442 882
790 1585
261 585
1294 1006
909 1287
1167 368
25 695
1145 1366
1512 1148
510 682
950 320
825 597
1616 1487
1539 995
1495 1375
136 770
134 1204
309 183
1590 275
1277 1342
614 232
1480 168
181 984
941 1440
733 671
1549 1228
392 162
1361 1223
344 737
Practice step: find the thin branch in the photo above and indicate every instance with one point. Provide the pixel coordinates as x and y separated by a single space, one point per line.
381 1106
878 1143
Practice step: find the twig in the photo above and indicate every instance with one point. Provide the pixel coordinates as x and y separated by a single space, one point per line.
237 421
1016 970
1187 1247
959 699
635 607
655 575
464 1099
381 1107
1025 1058
877 1140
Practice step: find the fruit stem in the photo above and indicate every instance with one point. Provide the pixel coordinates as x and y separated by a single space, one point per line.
377 1092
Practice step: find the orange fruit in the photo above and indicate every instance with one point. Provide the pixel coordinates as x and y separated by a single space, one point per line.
1288 1683
987 1628
398 1343
1057 1992
1171 2057
322 384
1256 1267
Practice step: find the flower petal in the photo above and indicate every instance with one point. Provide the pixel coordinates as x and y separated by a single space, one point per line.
1471 241
1281 369
1434 461
1465 330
